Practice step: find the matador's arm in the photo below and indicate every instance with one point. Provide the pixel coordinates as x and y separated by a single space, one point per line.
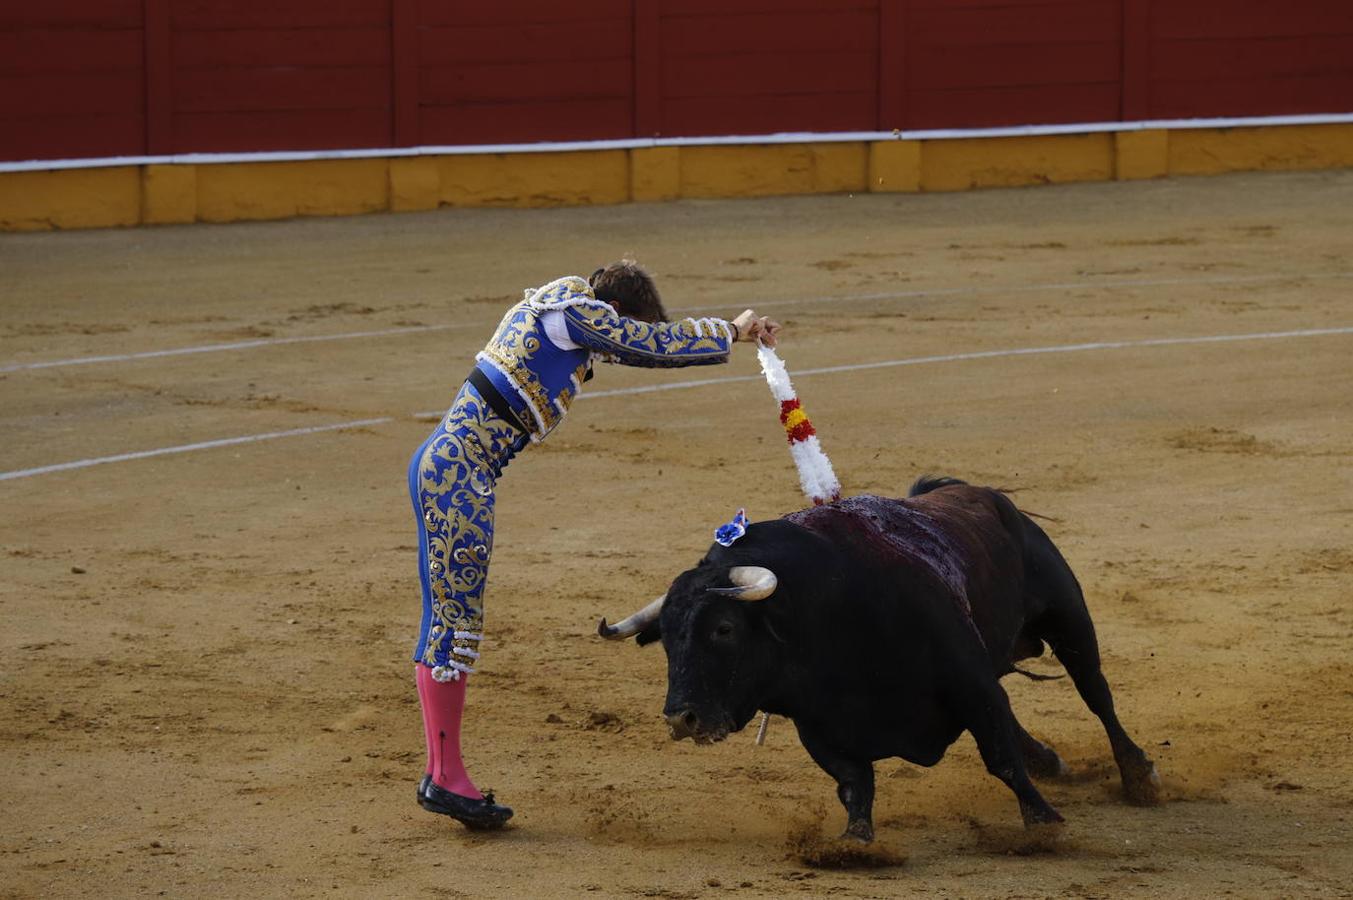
631 342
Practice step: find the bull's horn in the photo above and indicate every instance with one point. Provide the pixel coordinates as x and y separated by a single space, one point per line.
634 624
750 583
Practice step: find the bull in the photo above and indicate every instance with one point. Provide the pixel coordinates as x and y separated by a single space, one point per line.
881 628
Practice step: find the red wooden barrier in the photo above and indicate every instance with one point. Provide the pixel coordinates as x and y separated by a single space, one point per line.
1012 62
1220 58
281 75
756 67
525 70
97 78
72 79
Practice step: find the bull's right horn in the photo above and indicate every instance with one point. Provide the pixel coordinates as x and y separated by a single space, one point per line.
749 583
634 624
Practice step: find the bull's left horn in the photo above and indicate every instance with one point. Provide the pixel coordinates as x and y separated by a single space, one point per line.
749 583
631 626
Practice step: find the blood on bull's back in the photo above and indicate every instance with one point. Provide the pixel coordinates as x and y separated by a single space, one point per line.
891 533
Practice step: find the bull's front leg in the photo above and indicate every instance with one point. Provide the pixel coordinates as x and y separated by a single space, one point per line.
854 784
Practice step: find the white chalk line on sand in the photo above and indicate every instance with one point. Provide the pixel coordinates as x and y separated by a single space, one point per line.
185 448
233 345
679 385
1058 286
918 293
959 357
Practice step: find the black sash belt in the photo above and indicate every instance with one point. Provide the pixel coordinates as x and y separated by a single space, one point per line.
496 401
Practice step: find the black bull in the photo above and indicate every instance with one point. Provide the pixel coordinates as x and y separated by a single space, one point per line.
882 630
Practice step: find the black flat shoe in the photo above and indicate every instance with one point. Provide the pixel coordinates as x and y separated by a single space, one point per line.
478 815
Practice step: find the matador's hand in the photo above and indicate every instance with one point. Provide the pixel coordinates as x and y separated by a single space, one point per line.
751 327
768 331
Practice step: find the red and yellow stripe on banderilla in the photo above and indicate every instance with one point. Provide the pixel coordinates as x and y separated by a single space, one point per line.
795 420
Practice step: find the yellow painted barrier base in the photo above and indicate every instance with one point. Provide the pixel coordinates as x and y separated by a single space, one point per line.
229 192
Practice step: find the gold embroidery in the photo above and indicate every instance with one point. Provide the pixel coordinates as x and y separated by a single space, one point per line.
651 343
514 366
515 344
456 482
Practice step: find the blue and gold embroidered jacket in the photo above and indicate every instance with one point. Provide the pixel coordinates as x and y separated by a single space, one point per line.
544 348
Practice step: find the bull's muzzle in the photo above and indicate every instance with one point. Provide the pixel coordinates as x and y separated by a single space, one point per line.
683 724
687 724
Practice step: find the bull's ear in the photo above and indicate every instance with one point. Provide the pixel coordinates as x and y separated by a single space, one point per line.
770 629
649 635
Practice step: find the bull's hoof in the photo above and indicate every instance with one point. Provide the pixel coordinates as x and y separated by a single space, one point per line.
1039 837
861 830
1038 816
1045 764
1141 784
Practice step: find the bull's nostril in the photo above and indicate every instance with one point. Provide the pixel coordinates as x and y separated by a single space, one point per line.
683 724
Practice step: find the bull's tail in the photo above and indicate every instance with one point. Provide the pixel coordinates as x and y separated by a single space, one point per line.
1034 676
927 483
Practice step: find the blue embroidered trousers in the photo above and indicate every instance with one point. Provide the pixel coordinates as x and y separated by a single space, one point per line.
451 483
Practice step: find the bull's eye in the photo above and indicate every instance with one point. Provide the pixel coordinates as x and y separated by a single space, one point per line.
723 629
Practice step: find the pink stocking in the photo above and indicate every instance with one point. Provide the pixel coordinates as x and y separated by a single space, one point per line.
443 703
427 725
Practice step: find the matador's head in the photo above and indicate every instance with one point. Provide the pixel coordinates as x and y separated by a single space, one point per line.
626 286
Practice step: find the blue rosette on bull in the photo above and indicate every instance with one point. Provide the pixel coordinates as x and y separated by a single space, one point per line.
726 534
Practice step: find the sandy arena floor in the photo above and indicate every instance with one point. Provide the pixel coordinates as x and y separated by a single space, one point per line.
204 677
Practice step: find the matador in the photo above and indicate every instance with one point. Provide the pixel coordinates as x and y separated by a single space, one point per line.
521 386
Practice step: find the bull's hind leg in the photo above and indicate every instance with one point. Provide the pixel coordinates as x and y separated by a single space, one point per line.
1066 626
1076 648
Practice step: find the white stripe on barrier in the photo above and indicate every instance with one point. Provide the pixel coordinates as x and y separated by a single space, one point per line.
767 304
787 137
185 448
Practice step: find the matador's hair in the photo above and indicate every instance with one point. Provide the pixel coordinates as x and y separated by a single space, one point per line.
626 286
